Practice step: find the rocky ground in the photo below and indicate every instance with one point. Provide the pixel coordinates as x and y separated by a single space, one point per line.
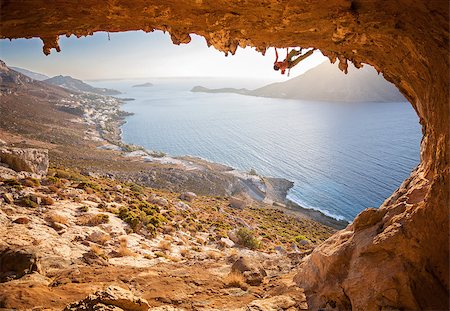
88 223
82 131
66 235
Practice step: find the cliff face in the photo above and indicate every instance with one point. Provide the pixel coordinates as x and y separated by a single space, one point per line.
396 256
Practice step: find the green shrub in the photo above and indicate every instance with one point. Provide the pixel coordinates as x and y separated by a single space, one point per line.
97 219
253 172
12 182
26 201
88 184
53 179
148 218
136 188
247 239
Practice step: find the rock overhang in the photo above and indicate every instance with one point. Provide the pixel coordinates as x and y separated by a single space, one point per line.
407 41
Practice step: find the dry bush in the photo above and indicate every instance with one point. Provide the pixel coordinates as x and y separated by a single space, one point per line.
99 238
185 239
45 200
145 246
186 253
165 245
214 254
98 251
105 238
53 188
53 217
174 259
30 182
169 229
235 279
123 250
200 241
94 220
197 248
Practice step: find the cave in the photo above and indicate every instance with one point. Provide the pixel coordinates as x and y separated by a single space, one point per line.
393 257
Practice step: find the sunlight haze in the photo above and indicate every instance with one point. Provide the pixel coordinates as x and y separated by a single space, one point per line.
138 55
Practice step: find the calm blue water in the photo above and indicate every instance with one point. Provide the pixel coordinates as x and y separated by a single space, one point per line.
342 157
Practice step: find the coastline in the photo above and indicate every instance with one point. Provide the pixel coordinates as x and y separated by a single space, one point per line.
246 186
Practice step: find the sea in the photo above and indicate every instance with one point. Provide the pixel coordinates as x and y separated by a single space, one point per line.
342 157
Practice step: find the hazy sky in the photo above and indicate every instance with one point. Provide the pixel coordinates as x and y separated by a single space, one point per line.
137 54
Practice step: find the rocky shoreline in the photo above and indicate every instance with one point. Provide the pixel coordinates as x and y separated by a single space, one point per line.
105 112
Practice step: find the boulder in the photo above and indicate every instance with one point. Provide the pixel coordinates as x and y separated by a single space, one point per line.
112 298
252 271
15 262
280 249
188 196
25 159
183 206
154 199
22 220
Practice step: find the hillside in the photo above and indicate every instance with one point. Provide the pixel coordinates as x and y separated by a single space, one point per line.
33 75
76 85
90 220
326 83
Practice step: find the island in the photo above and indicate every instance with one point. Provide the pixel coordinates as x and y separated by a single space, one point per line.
325 83
147 84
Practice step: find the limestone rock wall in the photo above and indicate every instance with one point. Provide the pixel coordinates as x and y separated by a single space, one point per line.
393 257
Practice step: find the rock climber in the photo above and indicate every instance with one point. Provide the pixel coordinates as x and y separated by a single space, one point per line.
289 62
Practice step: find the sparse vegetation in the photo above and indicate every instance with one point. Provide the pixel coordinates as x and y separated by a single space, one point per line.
247 239
28 202
30 182
123 249
46 200
54 217
253 172
184 252
98 251
141 214
235 279
165 245
215 255
94 219
158 154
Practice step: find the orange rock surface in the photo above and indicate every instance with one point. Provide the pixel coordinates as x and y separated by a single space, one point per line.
393 257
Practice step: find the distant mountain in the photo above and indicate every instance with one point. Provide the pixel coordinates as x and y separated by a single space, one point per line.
326 83
11 79
28 106
76 85
147 84
33 75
